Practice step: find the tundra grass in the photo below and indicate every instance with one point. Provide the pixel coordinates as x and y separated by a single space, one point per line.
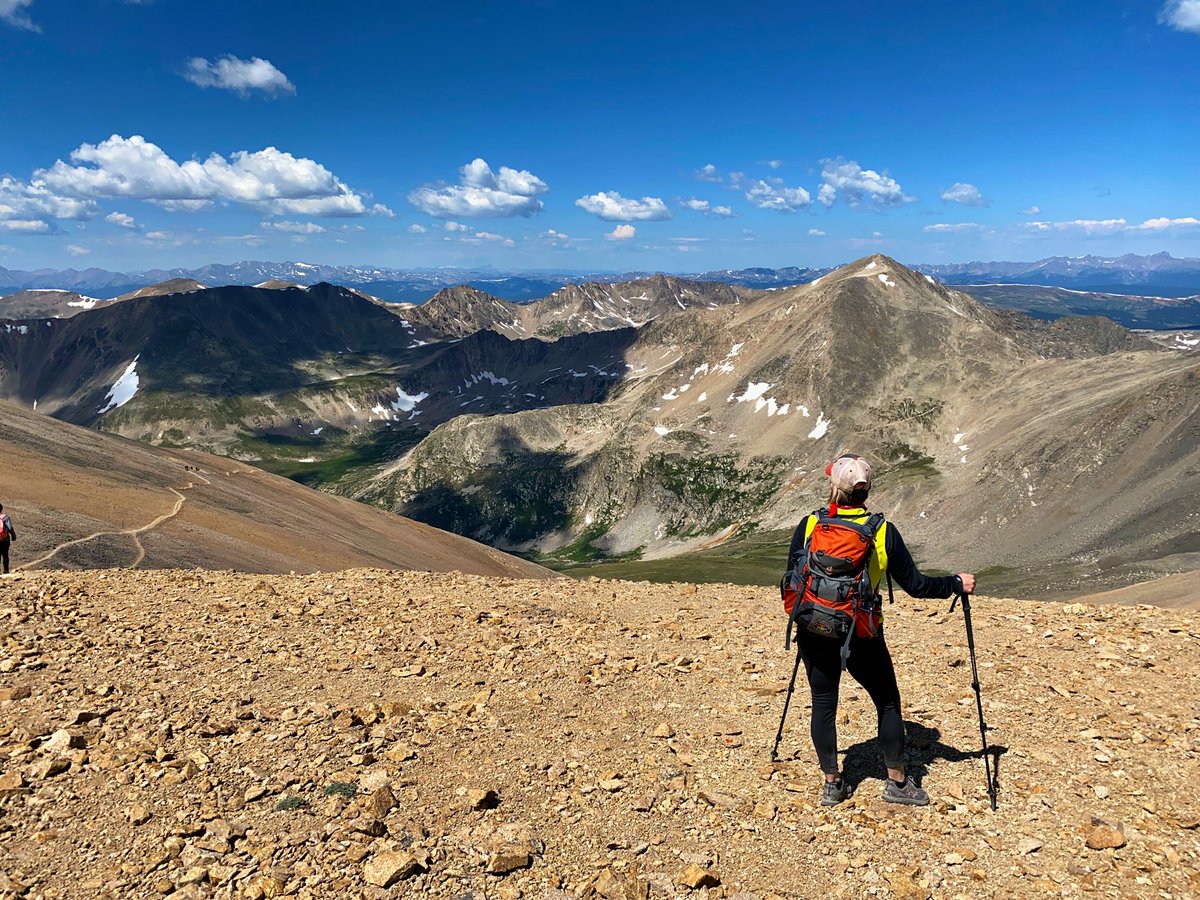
756 559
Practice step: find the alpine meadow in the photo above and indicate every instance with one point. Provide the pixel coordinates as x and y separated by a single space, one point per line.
541 451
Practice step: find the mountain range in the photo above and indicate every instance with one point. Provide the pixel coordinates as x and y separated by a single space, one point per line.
1158 274
663 416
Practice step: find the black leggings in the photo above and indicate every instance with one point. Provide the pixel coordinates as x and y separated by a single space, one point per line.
871 666
4 553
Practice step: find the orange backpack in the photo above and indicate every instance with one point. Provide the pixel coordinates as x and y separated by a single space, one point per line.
827 590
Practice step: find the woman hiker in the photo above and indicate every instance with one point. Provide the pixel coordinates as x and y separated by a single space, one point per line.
869 663
7 537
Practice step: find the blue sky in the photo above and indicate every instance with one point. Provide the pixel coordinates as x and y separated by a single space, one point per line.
540 134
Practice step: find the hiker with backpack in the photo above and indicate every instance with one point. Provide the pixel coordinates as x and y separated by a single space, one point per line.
837 560
7 537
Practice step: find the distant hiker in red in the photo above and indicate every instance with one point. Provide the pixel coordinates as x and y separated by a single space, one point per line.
7 537
836 562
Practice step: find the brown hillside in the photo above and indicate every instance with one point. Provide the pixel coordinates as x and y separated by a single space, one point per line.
198 734
83 499
165 289
46 304
1180 591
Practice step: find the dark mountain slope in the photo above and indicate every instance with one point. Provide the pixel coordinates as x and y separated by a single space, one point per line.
221 342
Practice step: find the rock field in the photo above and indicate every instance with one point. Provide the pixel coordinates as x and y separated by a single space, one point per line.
189 734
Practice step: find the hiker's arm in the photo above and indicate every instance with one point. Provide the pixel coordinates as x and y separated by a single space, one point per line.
908 576
797 542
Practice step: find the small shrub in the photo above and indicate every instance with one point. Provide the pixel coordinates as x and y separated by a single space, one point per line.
287 803
341 789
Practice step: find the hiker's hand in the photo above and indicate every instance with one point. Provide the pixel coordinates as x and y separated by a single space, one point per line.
968 582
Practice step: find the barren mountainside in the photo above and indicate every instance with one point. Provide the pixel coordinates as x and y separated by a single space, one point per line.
726 418
382 734
79 499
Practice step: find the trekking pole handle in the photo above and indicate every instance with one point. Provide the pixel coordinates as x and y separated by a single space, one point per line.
959 595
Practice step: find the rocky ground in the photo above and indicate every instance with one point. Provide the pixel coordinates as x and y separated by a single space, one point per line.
391 734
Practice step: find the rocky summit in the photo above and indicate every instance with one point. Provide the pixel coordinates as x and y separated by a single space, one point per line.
372 733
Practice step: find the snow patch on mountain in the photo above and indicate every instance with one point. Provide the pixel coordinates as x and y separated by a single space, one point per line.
820 429
405 402
480 377
124 388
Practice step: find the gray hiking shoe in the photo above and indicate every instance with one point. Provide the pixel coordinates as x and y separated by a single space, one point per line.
907 793
835 792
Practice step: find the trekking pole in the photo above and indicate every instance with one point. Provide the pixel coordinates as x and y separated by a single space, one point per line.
983 728
786 703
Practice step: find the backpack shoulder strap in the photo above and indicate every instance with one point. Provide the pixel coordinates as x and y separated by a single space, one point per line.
874 522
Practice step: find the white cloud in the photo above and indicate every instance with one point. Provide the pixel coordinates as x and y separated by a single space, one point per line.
492 236
345 204
158 235
815 232
239 75
456 226
76 250
250 240
964 193
35 200
953 228
1182 15
175 206
858 186
1031 211
418 229
12 12
773 163
483 193
27 226
709 173
1163 223
703 206
123 219
621 233
612 207
1102 227
774 194
270 179
559 241
294 227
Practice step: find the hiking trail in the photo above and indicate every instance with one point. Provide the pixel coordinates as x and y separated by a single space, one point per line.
130 532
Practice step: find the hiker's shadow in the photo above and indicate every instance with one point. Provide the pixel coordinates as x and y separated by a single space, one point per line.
865 759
